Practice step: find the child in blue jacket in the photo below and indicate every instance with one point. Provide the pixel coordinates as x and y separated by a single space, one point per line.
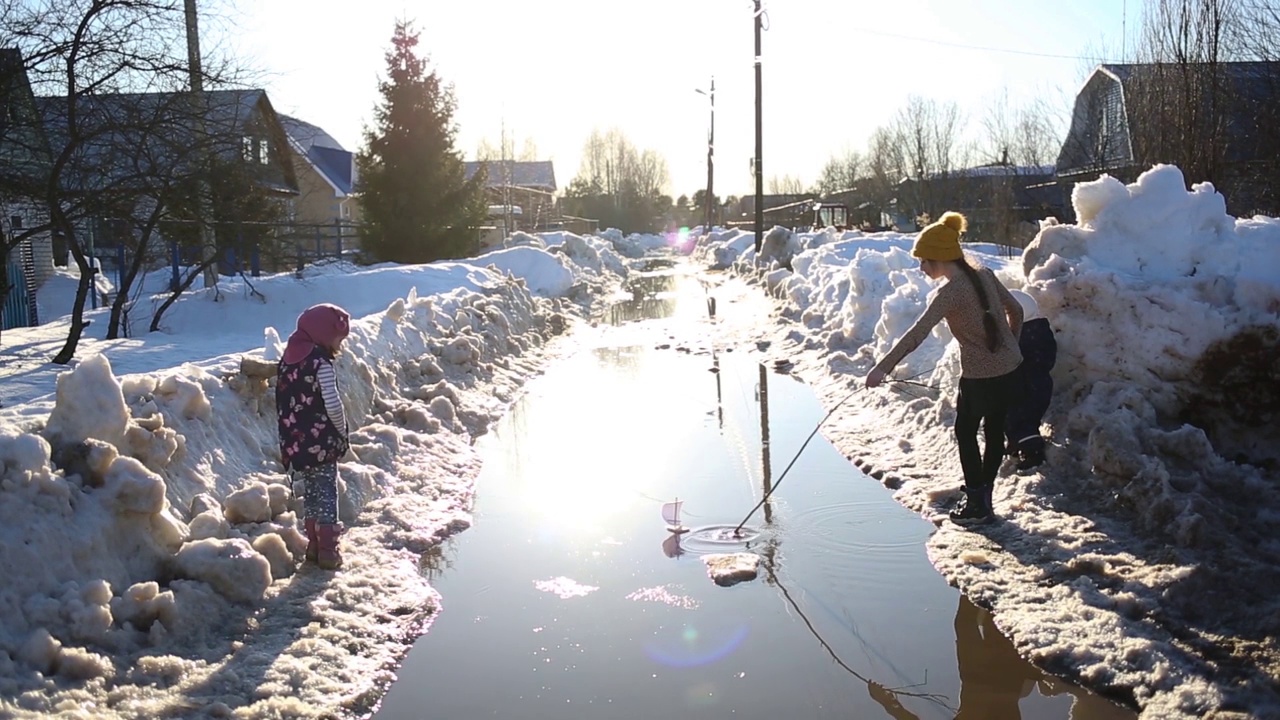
1039 353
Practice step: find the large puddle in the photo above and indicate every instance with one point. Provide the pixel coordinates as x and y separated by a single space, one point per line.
568 598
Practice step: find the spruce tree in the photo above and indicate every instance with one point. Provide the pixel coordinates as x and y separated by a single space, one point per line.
417 204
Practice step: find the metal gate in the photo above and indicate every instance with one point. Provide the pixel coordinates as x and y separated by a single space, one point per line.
20 302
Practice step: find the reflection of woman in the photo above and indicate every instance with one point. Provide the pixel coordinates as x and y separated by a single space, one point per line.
992 674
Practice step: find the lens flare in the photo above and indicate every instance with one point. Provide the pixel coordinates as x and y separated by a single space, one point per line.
690 646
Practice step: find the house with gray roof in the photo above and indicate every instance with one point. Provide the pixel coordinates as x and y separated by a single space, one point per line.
26 259
528 185
1219 122
326 174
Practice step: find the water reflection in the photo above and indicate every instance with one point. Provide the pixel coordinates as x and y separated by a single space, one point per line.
994 678
889 698
652 296
570 498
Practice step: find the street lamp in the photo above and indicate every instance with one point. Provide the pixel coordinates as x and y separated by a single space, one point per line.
709 200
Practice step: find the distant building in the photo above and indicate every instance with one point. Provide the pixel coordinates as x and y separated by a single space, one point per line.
1003 203
132 146
530 185
1218 122
326 175
24 163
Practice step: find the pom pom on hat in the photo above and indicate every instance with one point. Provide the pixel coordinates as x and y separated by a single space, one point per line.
941 240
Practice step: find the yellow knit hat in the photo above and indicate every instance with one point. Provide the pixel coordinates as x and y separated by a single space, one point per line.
941 240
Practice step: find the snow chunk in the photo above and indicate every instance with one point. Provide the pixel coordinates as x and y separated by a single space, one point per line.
134 488
249 504
40 651
232 567
273 548
22 454
186 396
143 604
731 568
89 404
209 524
80 664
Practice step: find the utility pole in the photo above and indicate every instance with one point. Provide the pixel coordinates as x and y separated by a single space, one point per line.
711 163
208 242
758 165
765 464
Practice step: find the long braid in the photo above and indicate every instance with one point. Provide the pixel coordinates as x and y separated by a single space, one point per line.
988 317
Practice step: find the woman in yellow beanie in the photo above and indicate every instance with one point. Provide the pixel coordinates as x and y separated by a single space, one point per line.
986 320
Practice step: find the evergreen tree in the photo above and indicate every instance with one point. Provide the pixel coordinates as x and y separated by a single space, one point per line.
417 204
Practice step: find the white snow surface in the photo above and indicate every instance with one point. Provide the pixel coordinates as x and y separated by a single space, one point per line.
150 552
1138 561
148 543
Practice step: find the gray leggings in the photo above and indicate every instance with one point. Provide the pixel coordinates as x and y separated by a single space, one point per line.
320 500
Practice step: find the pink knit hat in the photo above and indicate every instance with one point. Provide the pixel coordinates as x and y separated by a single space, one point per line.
324 325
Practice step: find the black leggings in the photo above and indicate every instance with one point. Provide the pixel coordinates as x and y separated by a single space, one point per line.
985 400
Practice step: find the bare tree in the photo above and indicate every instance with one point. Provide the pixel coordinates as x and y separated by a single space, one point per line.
1178 99
840 173
785 185
651 175
77 52
886 167
619 183
505 149
928 135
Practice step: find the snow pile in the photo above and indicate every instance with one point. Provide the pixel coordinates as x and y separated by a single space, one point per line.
145 525
1119 563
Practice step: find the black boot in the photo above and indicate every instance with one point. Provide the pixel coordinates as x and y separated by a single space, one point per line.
1031 456
975 508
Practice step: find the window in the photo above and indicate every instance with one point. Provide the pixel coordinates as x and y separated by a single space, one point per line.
264 151
248 147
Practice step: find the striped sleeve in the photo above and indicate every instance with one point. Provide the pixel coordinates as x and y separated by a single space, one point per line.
329 391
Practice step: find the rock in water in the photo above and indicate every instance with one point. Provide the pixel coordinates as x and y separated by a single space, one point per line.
731 568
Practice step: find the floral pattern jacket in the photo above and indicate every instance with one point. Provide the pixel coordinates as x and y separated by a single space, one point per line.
308 437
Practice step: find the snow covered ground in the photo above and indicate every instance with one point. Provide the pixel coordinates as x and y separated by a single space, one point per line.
150 556
147 541
1139 560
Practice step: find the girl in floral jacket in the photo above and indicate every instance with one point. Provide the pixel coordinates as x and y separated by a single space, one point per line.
313 427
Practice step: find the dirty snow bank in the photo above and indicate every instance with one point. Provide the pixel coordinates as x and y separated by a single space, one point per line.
147 538
1140 561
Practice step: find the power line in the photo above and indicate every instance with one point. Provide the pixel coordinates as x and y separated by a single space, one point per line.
979 47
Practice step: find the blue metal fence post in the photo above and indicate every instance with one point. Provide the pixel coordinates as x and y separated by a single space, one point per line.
173 250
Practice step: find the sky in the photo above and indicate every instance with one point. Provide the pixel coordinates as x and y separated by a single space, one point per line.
552 71
178 479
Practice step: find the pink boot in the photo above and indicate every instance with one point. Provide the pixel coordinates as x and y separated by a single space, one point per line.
313 540
328 557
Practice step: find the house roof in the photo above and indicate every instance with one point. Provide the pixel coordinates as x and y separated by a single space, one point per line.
997 170
536 174
24 149
1250 87
308 135
137 137
324 153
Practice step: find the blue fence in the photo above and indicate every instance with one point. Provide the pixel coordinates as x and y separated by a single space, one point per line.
15 302
20 300
270 248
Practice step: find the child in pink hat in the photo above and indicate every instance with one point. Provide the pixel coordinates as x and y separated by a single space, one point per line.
313 427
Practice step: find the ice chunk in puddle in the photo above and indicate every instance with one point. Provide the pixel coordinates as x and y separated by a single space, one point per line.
731 568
